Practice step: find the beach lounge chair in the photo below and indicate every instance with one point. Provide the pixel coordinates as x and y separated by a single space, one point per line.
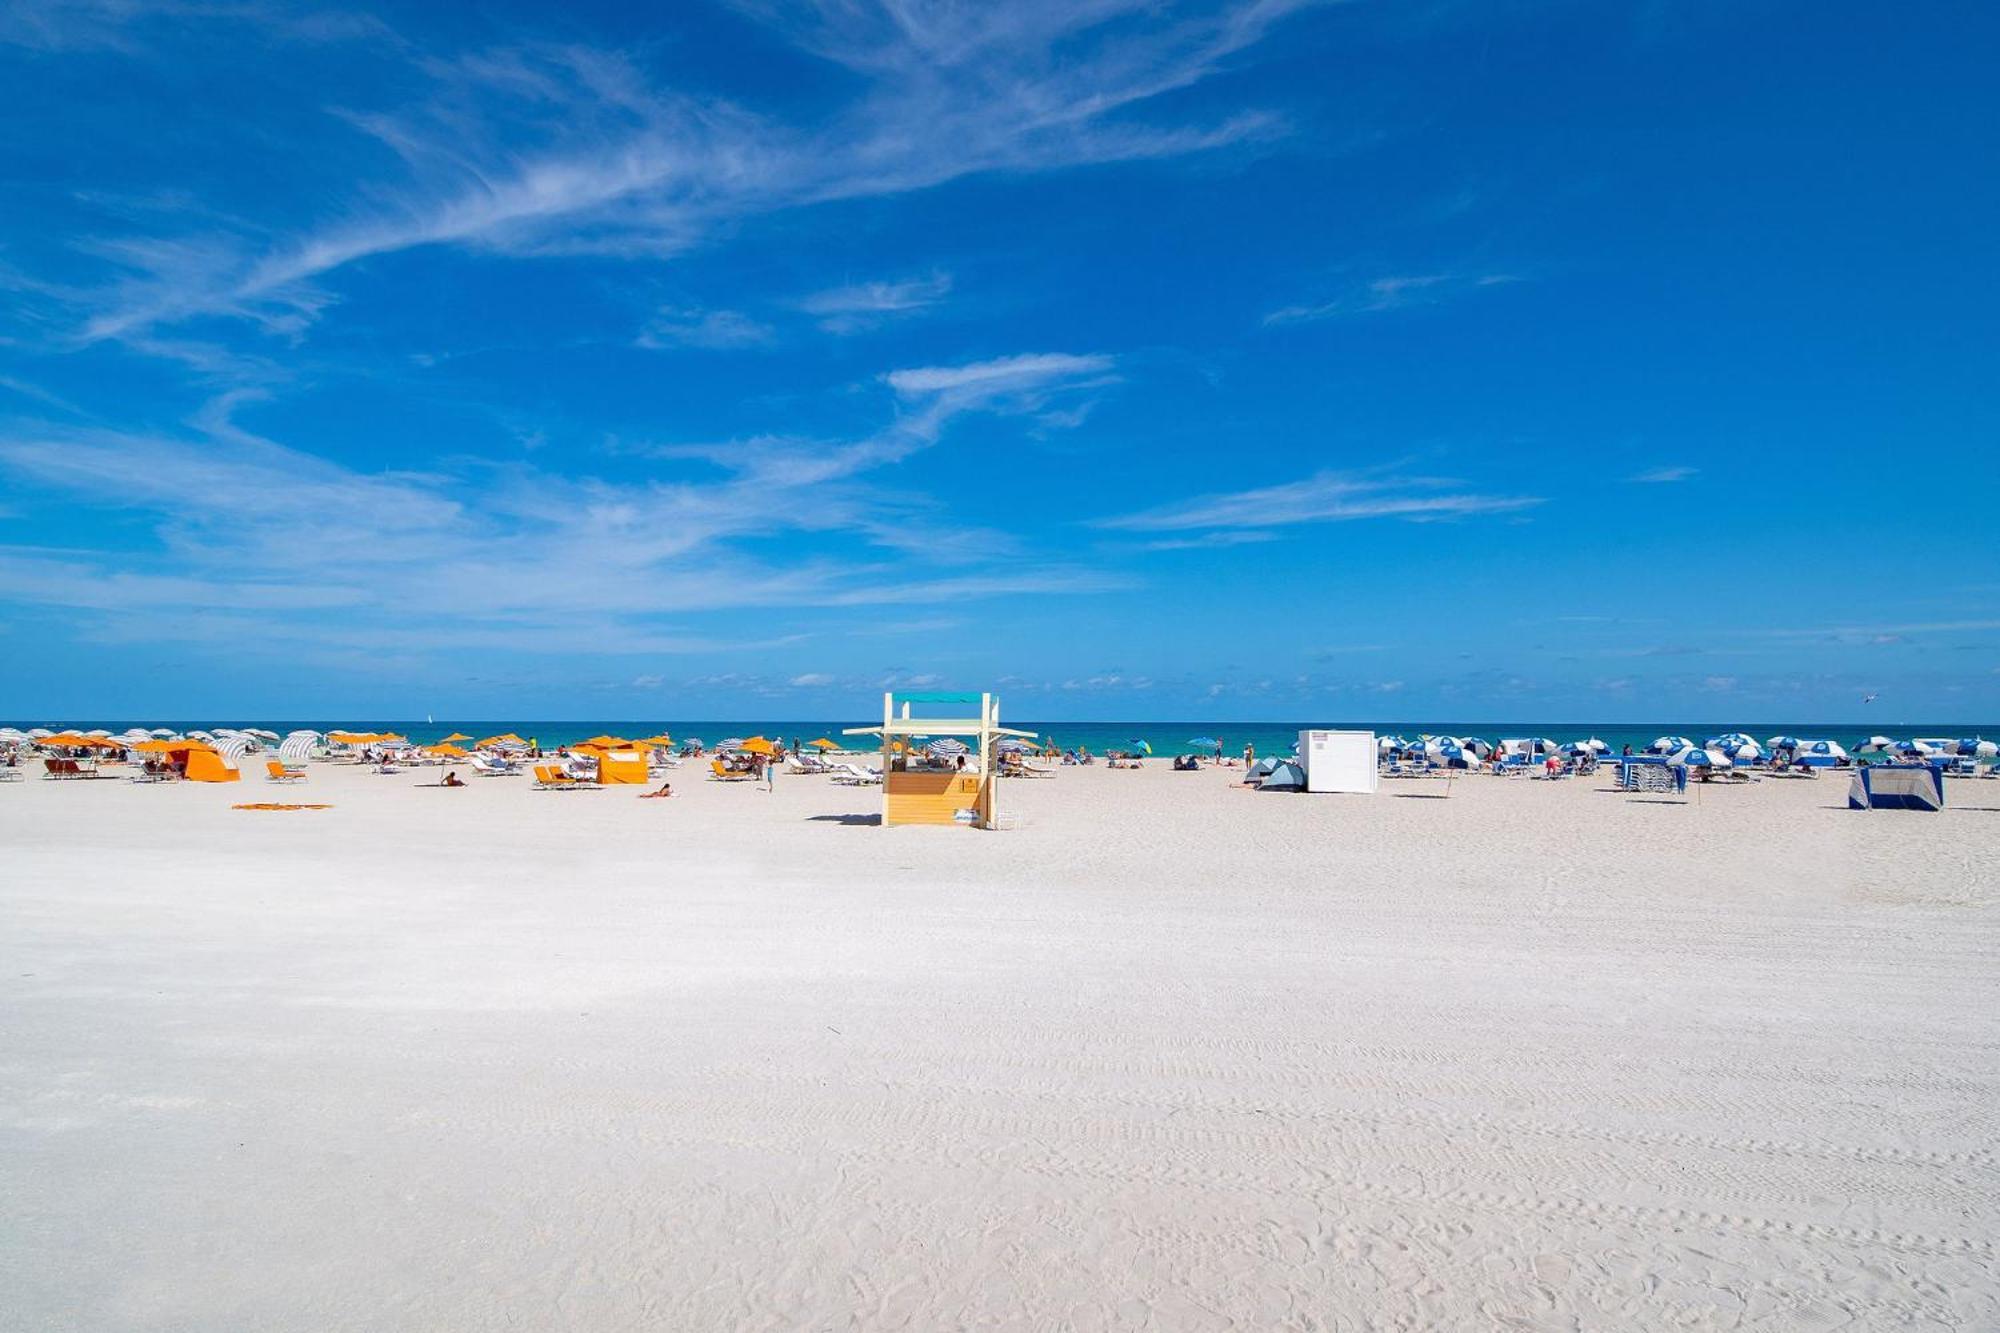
853 775
491 768
274 771
721 772
550 778
10 773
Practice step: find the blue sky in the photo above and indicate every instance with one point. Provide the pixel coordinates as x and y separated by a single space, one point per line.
1266 360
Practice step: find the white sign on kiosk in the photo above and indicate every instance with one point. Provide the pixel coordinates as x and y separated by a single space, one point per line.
1338 760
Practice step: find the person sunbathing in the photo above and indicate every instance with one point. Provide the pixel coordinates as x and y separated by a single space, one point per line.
666 789
451 780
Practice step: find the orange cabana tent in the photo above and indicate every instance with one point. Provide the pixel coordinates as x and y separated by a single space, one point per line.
618 765
197 760
206 765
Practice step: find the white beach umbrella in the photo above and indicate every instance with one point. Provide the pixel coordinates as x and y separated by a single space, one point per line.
1878 744
163 733
1670 745
39 732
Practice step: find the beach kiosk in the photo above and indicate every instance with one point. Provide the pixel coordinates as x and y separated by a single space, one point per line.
916 795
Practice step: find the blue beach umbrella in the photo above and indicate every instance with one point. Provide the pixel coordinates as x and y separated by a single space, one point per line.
1203 742
946 748
1671 745
1143 747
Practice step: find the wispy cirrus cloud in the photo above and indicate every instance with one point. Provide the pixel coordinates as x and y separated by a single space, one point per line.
1327 497
1398 292
859 307
1657 476
573 150
714 330
245 524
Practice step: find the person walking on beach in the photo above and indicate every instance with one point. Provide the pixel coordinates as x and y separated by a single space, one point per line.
770 774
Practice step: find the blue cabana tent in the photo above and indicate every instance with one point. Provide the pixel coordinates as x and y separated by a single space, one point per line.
1896 787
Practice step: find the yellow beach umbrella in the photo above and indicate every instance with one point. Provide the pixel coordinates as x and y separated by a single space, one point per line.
605 743
445 751
823 744
454 738
758 745
662 740
506 737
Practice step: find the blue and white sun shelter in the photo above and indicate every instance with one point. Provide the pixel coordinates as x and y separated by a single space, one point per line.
1896 787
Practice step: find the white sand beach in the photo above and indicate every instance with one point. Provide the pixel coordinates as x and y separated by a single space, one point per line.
1164 1054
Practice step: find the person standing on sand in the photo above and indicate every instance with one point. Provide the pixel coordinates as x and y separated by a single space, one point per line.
1249 755
770 773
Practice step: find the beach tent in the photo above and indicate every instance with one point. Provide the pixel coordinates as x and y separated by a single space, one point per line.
617 766
1284 776
197 760
1896 787
1260 770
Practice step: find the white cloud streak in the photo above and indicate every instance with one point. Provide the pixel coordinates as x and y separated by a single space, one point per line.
1391 293
1328 497
859 307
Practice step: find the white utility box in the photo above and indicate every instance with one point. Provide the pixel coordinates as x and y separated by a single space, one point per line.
1338 760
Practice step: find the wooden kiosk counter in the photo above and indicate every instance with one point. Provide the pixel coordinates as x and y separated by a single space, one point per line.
925 796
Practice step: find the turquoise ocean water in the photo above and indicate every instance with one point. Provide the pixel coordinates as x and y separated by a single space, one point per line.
1165 737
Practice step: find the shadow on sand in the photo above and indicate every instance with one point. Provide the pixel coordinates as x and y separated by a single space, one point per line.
854 821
